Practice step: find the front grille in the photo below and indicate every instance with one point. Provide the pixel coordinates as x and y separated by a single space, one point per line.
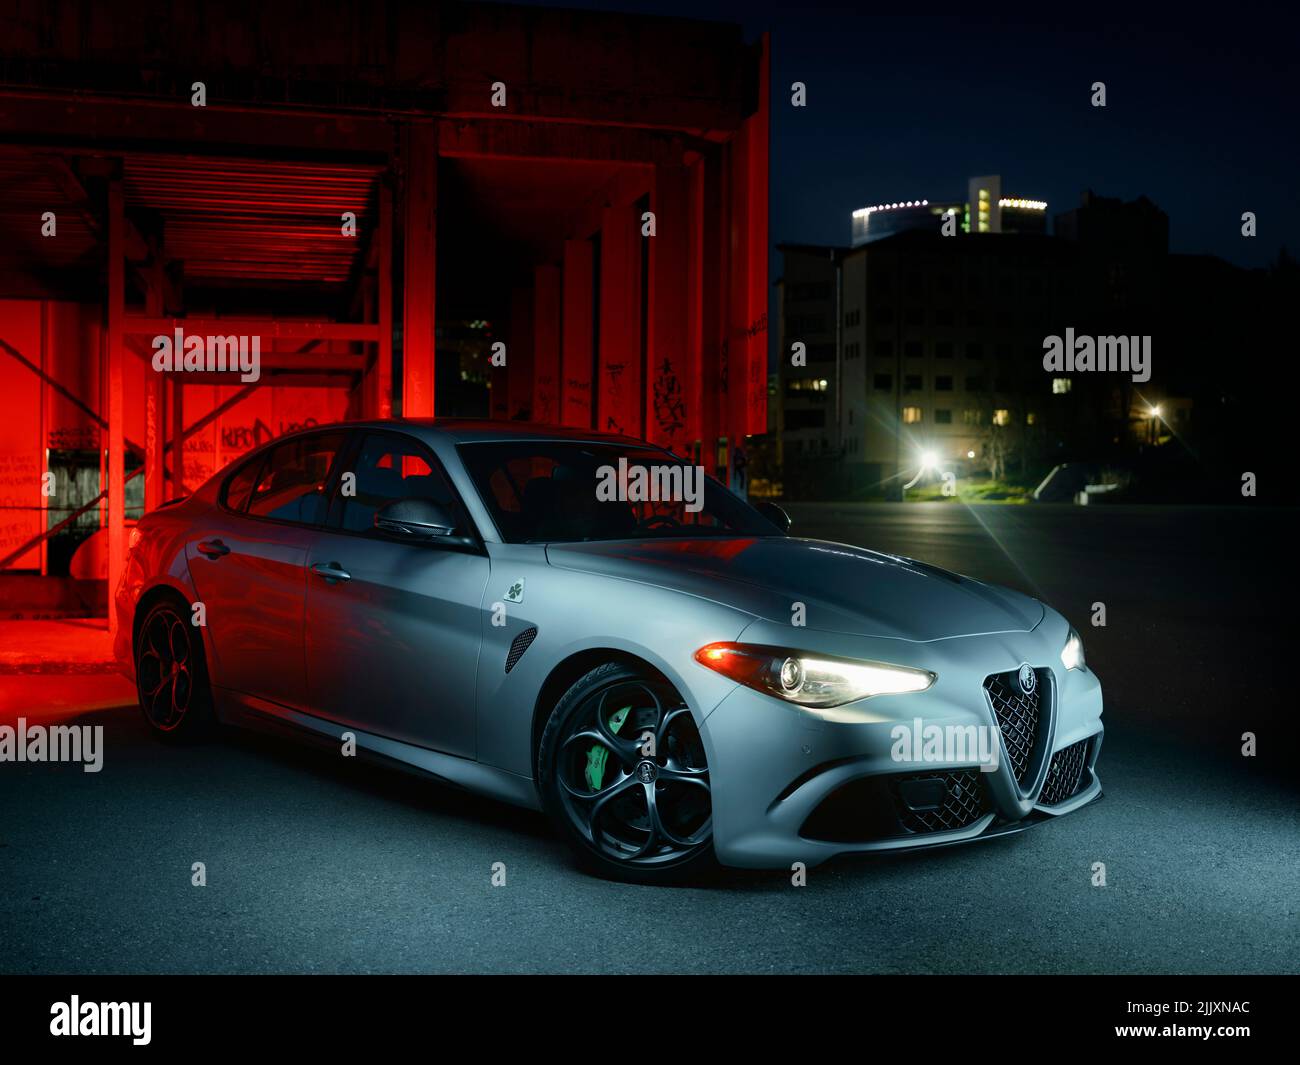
518 647
1065 774
1019 716
962 802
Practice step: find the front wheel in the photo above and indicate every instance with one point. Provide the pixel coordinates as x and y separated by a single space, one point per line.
171 673
623 774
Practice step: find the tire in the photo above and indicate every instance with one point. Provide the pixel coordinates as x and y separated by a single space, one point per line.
171 673
628 815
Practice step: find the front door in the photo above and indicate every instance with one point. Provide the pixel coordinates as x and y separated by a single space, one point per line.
394 628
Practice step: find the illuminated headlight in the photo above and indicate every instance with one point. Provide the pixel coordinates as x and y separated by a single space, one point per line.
1072 652
810 680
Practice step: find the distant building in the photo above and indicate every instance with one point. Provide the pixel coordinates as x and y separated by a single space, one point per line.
1135 227
942 351
939 344
985 210
806 403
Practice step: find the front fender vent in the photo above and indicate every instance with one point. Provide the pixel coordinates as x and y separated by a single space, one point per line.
518 646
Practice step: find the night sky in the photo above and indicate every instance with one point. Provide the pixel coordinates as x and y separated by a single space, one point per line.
1202 115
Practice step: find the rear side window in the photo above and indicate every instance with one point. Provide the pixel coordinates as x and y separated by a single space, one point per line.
290 485
240 485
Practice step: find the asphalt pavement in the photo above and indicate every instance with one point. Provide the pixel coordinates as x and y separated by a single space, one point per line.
315 864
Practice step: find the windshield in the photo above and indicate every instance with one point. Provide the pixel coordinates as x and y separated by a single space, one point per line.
547 491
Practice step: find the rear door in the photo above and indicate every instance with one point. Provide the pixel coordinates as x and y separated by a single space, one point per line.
248 563
394 628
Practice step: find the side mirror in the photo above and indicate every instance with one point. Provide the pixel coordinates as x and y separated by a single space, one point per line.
776 515
415 519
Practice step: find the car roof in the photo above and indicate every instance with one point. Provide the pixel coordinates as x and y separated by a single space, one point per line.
465 430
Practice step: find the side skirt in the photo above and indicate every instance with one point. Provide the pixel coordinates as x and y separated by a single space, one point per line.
248 711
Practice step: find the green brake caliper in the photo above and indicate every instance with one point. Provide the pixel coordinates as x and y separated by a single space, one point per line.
597 755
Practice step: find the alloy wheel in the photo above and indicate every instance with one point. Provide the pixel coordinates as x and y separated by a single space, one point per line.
165 668
632 774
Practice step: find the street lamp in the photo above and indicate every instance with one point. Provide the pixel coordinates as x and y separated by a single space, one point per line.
1153 411
929 460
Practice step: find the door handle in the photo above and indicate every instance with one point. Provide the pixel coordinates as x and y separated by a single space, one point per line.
331 571
213 548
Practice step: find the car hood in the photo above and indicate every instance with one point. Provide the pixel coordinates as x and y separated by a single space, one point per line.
844 589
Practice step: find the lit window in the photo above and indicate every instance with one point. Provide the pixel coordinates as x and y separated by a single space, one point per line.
1001 416
1031 418
911 415
1060 386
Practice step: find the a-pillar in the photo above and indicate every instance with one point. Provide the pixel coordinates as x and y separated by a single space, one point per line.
618 387
113 354
419 293
578 324
546 344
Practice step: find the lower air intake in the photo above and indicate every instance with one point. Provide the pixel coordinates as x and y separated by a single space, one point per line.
1065 774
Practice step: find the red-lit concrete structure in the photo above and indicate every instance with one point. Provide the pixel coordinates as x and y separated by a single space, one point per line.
381 197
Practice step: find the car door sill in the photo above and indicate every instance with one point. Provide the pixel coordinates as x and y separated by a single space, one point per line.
239 708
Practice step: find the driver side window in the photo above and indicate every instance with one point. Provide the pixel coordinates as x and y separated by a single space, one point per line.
389 467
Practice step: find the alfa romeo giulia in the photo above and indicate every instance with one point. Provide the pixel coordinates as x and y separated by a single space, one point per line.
586 625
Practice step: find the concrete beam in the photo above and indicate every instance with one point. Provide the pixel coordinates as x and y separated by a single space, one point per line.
266 328
70 124
575 142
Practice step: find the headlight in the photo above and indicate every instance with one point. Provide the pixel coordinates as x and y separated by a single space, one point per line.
810 680
1072 652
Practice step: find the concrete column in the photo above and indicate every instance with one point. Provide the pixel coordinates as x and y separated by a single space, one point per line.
517 377
737 304
714 312
758 135
113 355
671 396
154 417
618 388
384 356
546 344
696 372
176 415
419 295
578 324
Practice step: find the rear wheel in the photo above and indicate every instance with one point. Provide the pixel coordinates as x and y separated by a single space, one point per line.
623 774
171 673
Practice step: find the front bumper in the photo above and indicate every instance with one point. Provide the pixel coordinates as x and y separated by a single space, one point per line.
793 785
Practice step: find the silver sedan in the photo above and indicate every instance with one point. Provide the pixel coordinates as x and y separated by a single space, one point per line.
588 625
